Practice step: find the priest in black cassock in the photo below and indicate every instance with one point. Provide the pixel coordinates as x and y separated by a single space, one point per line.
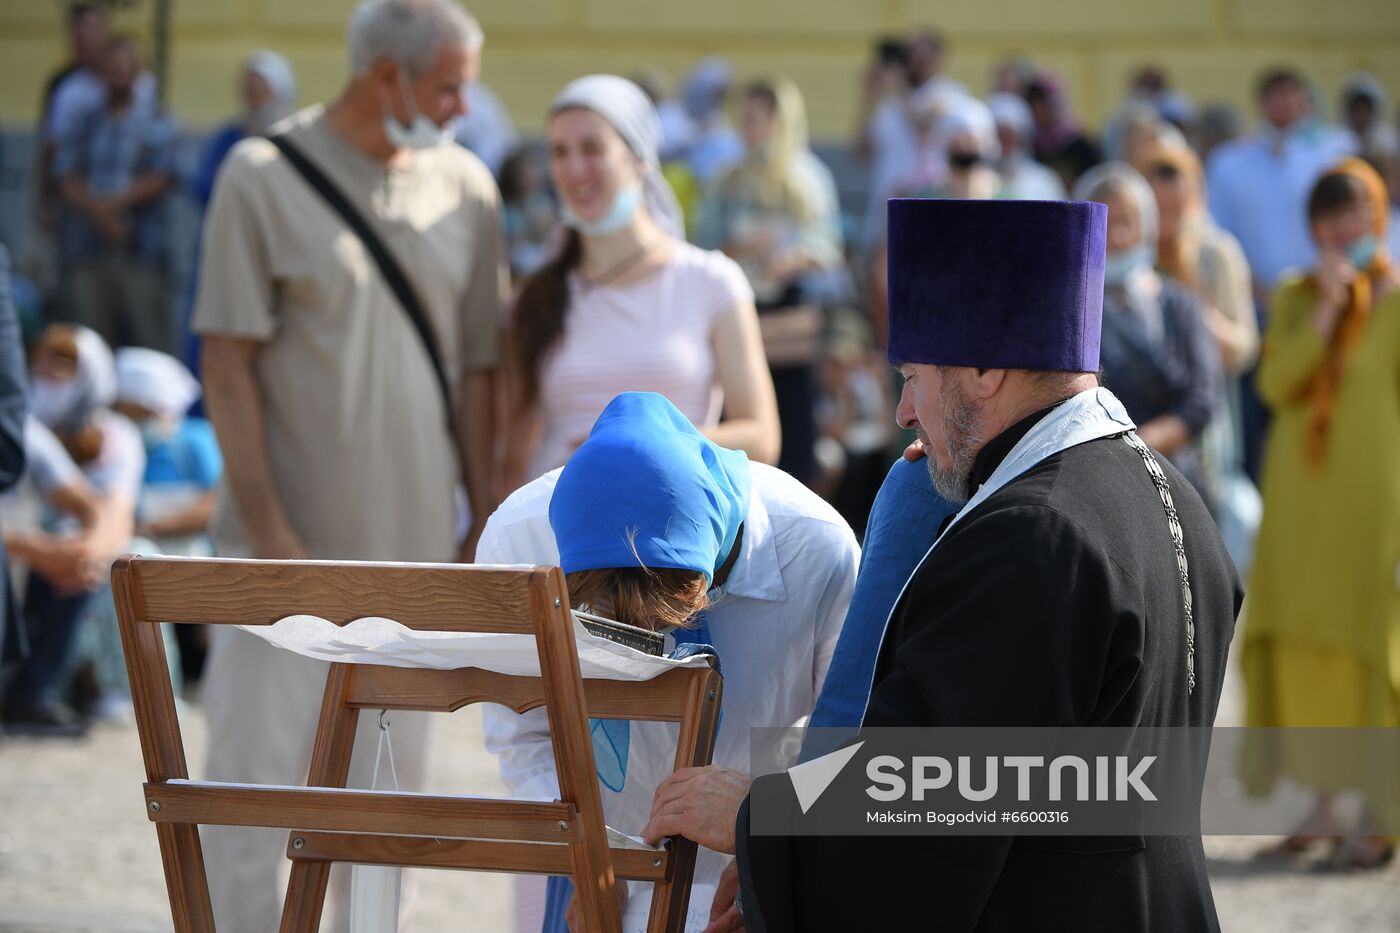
1055 597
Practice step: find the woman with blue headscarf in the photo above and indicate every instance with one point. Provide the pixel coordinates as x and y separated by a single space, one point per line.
656 525
626 303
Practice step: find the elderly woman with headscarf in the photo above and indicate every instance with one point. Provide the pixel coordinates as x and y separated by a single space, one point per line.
267 87
1157 354
85 462
657 526
626 304
1322 641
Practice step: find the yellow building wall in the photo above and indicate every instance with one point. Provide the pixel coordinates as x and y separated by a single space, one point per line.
1213 49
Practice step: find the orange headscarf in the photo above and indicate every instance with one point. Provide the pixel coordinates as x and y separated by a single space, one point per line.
1322 390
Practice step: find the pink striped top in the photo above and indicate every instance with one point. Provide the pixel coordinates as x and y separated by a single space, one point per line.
652 336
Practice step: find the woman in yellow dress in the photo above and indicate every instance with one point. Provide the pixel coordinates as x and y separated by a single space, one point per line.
1322 637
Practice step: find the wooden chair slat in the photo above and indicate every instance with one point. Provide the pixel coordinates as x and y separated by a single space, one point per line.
360 811
466 854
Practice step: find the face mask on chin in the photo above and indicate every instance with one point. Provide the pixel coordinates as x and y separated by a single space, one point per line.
618 215
1361 252
53 401
1119 266
420 133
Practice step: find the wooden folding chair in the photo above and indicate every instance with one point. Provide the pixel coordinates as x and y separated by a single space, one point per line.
566 837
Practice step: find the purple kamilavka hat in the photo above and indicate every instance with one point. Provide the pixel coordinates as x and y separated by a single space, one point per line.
996 284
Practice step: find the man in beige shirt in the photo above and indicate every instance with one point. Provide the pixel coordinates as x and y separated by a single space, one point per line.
328 410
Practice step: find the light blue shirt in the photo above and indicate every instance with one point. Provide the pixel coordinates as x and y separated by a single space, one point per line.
1260 195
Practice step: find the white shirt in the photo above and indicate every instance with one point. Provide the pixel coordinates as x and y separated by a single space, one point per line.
117 470
775 624
1028 180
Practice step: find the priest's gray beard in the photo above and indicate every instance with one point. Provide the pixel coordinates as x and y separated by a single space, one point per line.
958 422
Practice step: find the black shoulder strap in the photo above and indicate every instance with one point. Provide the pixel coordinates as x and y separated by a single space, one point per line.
388 267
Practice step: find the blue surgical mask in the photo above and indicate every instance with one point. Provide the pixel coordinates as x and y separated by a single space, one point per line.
1362 251
1120 265
421 133
616 217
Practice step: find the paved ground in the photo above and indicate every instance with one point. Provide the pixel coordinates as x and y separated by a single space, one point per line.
77 854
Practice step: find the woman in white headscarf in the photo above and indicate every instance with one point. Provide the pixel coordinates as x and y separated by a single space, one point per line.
85 463
183 463
1157 353
267 88
626 303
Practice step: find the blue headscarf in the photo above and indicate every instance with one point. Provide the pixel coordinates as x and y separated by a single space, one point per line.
646 478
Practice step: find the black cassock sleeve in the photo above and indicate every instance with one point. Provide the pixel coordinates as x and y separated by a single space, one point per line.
1018 620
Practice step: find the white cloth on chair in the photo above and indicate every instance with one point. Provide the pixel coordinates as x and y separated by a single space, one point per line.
384 641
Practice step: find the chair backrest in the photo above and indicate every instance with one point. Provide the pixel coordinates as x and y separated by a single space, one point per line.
493 834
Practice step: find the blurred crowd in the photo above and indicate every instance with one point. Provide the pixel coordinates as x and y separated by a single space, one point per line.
686 239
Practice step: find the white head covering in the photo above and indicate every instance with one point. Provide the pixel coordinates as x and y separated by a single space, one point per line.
156 381
94 378
1093 185
1011 110
281 81
968 115
633 115
277 72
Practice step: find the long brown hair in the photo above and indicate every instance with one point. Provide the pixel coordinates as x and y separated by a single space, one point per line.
537 321
649 598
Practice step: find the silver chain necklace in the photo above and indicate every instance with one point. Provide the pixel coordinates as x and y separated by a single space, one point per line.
1159 480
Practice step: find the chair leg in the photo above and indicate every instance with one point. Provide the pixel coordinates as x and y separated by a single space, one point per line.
670 899
184 877
164 752
330 767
